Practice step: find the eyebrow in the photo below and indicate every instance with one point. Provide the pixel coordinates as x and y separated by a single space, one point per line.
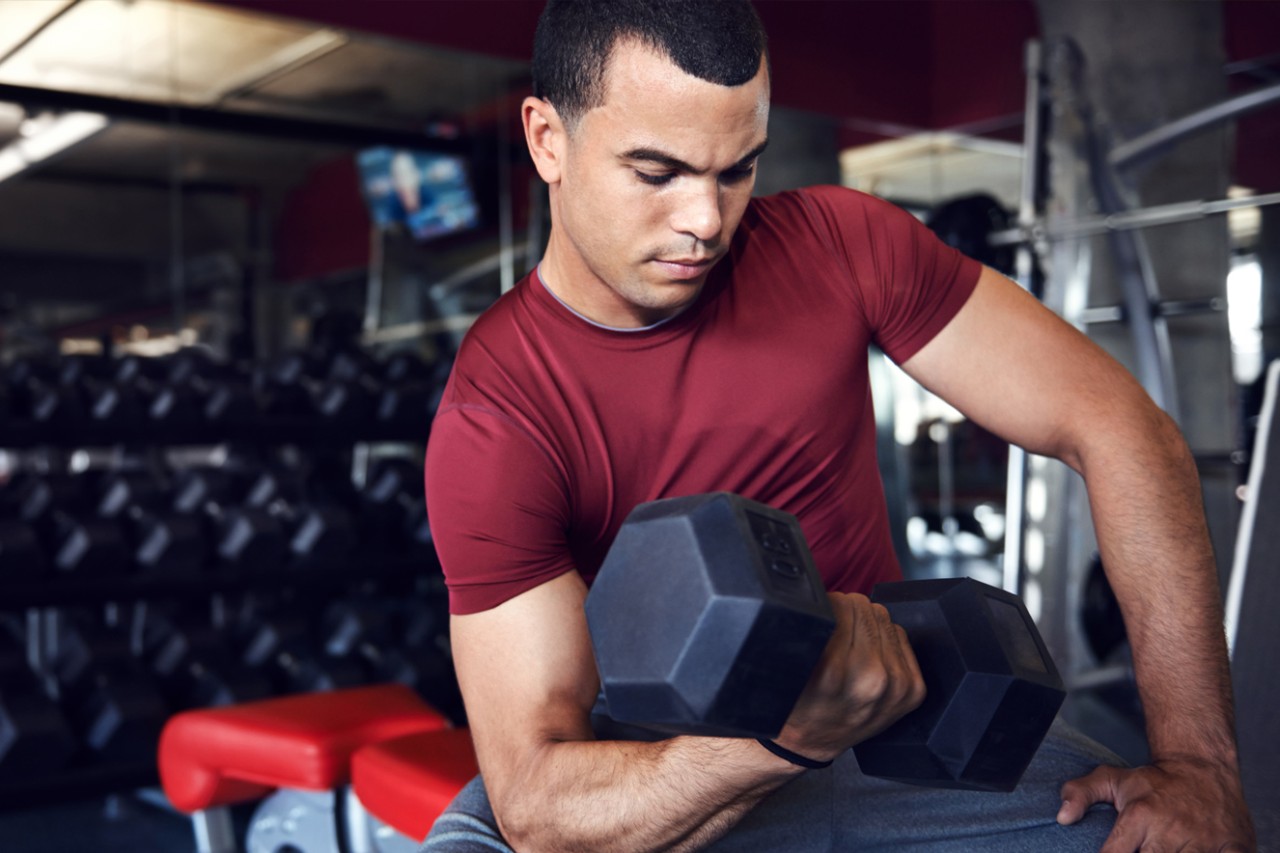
661 158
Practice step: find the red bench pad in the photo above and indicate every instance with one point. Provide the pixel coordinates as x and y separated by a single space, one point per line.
216 756
407 782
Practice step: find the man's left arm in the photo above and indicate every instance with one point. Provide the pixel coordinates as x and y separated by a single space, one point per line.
1017 369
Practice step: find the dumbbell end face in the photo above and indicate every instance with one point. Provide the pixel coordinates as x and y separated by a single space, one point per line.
694 627
993 690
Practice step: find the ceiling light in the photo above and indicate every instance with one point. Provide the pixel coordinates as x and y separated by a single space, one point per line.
44 137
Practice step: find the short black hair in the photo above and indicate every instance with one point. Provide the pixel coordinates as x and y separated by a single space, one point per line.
720 41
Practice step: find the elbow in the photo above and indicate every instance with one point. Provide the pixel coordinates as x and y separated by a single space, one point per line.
516 818
1123 435
525 818
526 829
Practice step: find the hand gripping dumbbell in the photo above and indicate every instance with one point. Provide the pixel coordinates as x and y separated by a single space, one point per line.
708 616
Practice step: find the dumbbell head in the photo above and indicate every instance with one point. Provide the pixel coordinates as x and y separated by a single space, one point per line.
993 690
286 650
196 667
114 705
707 617
35 738
20 551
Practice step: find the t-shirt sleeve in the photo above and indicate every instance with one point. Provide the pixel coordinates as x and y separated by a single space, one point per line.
497 506
907 283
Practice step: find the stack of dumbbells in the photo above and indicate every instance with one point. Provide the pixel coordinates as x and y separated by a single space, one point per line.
94 657
84 397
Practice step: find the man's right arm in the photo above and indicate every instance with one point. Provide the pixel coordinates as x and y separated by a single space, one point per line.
529 680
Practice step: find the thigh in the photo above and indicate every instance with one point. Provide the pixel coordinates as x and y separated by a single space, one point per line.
841 809
874 813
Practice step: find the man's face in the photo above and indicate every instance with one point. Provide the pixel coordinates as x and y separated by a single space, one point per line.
653 185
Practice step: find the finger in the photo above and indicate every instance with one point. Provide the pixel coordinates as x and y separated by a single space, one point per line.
912 668
1079 794
842 613
1130 832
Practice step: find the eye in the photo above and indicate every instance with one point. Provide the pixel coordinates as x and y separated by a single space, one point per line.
737 175
655 180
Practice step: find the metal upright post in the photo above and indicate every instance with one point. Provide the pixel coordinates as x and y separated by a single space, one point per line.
1028 209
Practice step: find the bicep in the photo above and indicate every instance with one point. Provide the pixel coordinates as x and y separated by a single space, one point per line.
1019 370
528 676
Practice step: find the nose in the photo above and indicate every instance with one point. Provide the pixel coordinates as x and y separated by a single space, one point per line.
697 211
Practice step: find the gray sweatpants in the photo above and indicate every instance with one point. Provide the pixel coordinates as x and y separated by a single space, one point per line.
838 808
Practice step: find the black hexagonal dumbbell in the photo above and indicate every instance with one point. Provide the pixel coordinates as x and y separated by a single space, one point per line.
59 508
708 616
114 705
702 625
161 540
321 532
247 538
35 738
993 689
38 395
195 664
394 509
223 396
284 648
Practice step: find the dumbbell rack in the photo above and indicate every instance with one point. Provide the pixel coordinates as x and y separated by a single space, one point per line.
273 430
39 598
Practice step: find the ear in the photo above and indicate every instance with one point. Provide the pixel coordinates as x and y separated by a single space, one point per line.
546 136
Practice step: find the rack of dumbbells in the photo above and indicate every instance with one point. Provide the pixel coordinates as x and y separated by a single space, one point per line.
179 532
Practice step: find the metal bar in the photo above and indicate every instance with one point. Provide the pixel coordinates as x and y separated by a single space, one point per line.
228 121
373 291
422 328
34 34
214 831
1250 522
1142 217
505 215
469 273
1155 142
1033 149
1170 308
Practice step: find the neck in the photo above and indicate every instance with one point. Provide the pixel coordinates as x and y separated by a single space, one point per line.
577 286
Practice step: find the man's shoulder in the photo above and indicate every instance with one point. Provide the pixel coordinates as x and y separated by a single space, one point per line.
808 200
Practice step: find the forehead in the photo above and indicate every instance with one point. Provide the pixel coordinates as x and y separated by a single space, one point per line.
649 100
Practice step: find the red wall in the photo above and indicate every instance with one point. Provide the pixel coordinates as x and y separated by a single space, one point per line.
883 67
324 226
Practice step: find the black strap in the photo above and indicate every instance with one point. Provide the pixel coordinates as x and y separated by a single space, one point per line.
794 757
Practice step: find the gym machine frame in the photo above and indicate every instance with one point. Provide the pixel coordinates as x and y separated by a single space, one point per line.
1142 308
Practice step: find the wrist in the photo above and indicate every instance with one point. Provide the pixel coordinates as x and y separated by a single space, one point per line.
795 758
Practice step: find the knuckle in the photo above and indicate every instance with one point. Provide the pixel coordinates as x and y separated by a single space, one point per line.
918 693
873 683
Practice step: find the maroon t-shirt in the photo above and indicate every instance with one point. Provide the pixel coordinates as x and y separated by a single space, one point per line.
553 428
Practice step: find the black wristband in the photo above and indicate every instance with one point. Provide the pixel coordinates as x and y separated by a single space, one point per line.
794 757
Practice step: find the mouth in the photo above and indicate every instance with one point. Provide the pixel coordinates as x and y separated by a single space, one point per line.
683 269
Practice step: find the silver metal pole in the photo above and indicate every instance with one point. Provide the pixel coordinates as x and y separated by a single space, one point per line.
373 295
1140 217
1154 143
505 223
1032 148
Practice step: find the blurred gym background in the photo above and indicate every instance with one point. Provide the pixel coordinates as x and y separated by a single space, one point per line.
240 241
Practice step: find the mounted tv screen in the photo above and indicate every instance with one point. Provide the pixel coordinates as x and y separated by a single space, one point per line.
428 194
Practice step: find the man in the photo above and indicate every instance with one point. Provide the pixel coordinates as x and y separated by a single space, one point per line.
680 337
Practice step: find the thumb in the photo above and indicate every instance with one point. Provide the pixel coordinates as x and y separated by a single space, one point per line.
1079 794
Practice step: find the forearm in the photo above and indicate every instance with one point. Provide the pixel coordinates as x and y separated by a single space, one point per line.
680 794
1149 518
